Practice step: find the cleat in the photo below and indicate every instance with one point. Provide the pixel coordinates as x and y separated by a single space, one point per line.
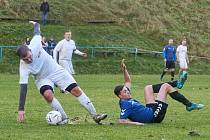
62 91
195 107
97 118
65 121
182 79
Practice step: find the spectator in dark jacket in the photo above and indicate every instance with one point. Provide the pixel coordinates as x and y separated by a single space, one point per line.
51 46
44 8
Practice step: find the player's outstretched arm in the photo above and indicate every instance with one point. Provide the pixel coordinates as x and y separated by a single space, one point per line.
37 30
22 98
78 52
127 79
124 121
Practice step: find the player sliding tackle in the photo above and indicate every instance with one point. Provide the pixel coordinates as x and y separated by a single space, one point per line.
47 73
133 112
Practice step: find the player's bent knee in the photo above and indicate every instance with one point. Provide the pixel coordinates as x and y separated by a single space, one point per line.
76 91
148 88
47 92
44 88
71 87
166 86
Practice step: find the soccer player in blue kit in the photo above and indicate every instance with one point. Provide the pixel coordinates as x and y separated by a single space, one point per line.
133 112
169 54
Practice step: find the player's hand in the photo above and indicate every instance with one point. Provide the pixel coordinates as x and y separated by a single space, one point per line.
140 124
84 55
32 22
123 66
21 116
177 61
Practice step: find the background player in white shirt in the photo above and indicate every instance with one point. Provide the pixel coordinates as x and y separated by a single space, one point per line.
47 73
64 50
182 57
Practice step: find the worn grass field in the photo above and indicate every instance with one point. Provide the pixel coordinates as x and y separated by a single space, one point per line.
177 125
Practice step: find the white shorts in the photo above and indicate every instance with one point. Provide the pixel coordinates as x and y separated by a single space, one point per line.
183 64
61 78
67 64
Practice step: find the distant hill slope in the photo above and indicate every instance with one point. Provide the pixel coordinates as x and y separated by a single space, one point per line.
152 21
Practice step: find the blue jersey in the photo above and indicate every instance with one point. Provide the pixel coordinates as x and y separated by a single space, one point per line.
169 53
134 111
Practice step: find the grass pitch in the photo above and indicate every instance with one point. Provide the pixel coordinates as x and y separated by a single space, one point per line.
178 123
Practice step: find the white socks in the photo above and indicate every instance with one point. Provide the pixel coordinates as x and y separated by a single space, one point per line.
85 101
57 106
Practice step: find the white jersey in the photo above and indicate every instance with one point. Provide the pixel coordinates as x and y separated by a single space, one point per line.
182 52
65 49
42 63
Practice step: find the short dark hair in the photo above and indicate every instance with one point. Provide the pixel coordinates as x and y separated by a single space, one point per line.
22 51
117 89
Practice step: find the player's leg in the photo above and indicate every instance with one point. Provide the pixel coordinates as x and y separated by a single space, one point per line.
166 67
172 74
149 96
82 98
65 64
163 73
45 87
159 105
67 82
172 70
182 99
174 94
85 101
182 64
47 92
168 89
162 94
71 68
183 75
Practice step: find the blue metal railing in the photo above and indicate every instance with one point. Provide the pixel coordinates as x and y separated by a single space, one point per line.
1 50
93 49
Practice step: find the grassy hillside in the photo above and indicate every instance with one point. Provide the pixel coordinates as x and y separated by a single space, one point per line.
13 33
156 20
145 24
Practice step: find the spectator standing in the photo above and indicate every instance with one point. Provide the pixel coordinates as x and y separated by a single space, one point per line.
44 8
51 45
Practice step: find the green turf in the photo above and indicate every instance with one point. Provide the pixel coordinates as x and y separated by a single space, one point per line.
177 124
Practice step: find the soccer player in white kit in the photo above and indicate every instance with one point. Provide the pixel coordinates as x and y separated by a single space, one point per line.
47 73
182 57
64 50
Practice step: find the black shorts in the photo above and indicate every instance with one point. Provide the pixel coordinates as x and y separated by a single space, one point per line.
170 65
159 109
157 87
